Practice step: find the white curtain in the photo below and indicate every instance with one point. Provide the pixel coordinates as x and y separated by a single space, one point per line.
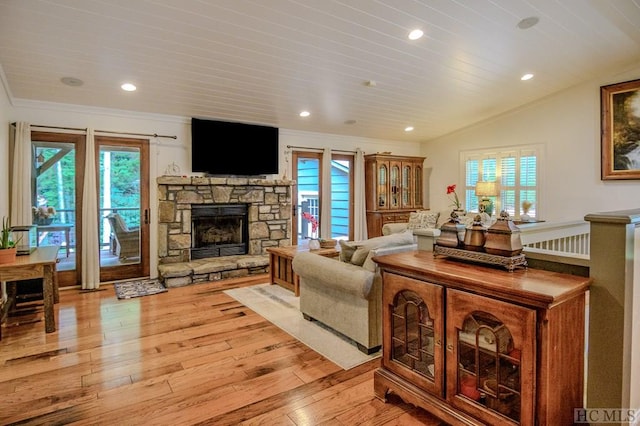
325 212
90 242
360 210
21 202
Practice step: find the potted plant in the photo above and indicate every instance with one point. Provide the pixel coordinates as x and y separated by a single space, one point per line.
8 247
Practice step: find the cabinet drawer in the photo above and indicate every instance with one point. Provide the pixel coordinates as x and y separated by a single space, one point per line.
402 217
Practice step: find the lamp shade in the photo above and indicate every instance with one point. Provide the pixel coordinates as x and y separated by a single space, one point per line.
486 189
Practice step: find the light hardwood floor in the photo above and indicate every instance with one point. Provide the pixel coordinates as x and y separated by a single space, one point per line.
192 355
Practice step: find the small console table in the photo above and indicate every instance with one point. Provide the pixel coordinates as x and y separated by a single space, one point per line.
280 269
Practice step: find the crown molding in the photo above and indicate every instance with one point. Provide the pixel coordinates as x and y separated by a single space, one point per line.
91 110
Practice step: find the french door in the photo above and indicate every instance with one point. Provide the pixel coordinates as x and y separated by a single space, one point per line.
123 207
123 187
57 178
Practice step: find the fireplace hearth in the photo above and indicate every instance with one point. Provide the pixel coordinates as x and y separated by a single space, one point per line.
219 230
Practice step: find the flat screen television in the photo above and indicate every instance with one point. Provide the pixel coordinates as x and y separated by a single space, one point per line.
221 148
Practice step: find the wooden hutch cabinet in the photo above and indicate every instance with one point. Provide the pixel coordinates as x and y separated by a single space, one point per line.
394 188
479 345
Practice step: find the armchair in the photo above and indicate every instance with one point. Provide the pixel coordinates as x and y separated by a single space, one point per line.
127 239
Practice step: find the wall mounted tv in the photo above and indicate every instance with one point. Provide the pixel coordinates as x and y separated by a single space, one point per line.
222 148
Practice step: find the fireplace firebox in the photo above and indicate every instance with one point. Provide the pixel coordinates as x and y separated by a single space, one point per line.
219 230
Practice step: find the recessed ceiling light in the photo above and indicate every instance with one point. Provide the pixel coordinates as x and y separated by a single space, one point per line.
305 114
350 122
415 34
408 129
72 81
128 87
526 77
529 22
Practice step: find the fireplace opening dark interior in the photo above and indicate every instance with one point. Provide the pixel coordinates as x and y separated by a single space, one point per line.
219 230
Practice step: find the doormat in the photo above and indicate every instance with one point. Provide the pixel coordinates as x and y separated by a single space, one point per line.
138 288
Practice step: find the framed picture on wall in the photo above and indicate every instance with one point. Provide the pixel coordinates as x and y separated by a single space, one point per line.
620 130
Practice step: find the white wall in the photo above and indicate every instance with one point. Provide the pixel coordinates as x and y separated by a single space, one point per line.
4 150
567 124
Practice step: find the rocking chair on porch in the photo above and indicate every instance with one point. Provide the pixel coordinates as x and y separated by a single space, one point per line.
127 239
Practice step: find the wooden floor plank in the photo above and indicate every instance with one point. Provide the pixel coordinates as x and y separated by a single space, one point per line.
192 355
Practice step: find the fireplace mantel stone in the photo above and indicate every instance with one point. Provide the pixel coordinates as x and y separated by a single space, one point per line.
269 224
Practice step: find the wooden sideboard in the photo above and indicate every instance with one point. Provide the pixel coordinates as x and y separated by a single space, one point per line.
480 345
394 187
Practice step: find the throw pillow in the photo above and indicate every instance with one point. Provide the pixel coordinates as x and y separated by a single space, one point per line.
415 221
422 219
364 247
347 248
429 218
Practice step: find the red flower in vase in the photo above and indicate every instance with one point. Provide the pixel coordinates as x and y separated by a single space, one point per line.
451 189
314 222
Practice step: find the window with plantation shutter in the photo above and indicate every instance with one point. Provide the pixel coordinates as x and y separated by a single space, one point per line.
515 169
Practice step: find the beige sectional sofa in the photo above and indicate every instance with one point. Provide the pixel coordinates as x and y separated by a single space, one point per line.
346 294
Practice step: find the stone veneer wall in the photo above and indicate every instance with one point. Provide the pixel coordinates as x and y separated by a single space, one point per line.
269 216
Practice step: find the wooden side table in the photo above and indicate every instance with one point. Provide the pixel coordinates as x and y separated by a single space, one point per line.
39 264
280 269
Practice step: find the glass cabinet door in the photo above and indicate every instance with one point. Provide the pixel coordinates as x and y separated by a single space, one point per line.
417 186
490 358
383 185
407 201
413 349
394 184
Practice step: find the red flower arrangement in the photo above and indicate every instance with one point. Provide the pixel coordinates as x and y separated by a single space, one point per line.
451 189
314 222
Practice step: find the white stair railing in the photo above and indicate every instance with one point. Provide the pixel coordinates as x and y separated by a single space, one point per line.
561 240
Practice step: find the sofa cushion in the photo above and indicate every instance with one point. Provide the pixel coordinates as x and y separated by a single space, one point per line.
364 247
422 219
347 248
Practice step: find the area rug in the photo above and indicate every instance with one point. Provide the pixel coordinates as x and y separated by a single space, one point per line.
280 307
138 288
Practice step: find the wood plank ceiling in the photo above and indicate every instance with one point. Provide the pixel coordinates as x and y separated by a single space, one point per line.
263 61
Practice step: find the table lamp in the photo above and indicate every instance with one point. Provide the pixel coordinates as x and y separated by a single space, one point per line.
484 190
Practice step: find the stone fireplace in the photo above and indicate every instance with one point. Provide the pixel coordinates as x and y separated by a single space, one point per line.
260 208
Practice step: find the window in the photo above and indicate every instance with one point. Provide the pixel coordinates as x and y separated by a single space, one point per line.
515 170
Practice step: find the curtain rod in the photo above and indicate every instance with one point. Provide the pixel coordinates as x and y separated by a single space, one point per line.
155 135
320 149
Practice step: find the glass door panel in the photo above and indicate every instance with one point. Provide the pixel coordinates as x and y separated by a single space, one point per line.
55 181
306 195
123 208
342 196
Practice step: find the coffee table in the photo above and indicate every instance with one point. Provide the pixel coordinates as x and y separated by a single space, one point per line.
280 269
